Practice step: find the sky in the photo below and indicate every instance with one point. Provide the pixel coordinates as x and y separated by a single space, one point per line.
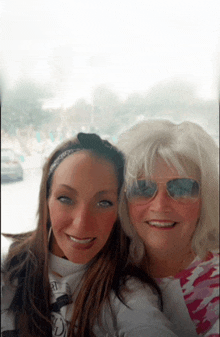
129 46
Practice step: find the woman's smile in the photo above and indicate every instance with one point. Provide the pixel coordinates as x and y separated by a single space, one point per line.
81 244
162 224
81 241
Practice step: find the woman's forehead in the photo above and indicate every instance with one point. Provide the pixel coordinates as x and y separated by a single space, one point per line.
163 167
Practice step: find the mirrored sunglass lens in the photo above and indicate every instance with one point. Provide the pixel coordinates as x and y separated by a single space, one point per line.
183 188
142 188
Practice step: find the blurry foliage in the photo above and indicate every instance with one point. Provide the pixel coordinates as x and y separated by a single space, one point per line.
171 94
22 107
108 114
107 109
79 113
175 100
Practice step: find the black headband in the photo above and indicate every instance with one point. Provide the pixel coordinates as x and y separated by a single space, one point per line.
88 141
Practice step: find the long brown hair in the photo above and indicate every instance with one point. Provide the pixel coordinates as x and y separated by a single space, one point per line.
27 260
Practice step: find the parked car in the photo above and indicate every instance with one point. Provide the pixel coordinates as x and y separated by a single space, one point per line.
11 168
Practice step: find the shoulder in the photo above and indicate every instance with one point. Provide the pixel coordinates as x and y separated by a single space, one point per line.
137 289
139 314
200 287
139 299
8 289
203 273
7 293
7 317
191 298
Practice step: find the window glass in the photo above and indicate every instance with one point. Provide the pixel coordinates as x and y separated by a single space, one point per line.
97 66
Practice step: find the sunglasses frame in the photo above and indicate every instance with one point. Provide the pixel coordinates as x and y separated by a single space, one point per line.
181 200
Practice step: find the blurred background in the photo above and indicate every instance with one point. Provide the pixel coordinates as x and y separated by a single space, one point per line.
97 66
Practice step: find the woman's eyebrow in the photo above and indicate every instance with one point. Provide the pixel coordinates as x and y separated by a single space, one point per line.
100 193
69 188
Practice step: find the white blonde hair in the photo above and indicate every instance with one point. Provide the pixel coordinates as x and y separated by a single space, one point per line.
193 152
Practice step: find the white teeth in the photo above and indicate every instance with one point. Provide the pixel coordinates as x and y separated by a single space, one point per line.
161 224
81 241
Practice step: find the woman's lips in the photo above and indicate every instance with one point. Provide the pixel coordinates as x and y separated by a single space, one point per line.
162 224
81 241
82 244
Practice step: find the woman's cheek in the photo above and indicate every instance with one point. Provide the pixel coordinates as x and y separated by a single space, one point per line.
190 211
59 218
136 212
108 220
111 218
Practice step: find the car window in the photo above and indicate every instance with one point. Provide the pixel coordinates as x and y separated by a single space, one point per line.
97 66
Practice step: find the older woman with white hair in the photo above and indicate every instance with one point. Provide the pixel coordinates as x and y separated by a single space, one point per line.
170 210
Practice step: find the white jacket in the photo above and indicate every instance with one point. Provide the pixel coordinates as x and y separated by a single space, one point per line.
142 318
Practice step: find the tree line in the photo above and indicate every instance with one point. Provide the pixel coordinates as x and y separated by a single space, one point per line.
108 114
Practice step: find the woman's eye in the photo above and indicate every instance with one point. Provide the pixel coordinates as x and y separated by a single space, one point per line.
65 200
105 203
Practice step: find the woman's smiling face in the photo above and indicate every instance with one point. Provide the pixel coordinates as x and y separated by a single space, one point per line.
82 206
164 224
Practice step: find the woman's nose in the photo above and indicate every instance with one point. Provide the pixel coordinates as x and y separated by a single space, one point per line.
82 218
161 202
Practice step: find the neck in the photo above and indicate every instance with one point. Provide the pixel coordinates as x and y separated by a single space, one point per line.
170 264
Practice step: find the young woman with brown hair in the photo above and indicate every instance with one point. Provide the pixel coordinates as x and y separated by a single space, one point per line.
71 276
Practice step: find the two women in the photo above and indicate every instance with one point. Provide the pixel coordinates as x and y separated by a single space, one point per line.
72 276
170 210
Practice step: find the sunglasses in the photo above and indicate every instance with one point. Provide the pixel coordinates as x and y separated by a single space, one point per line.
180 189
